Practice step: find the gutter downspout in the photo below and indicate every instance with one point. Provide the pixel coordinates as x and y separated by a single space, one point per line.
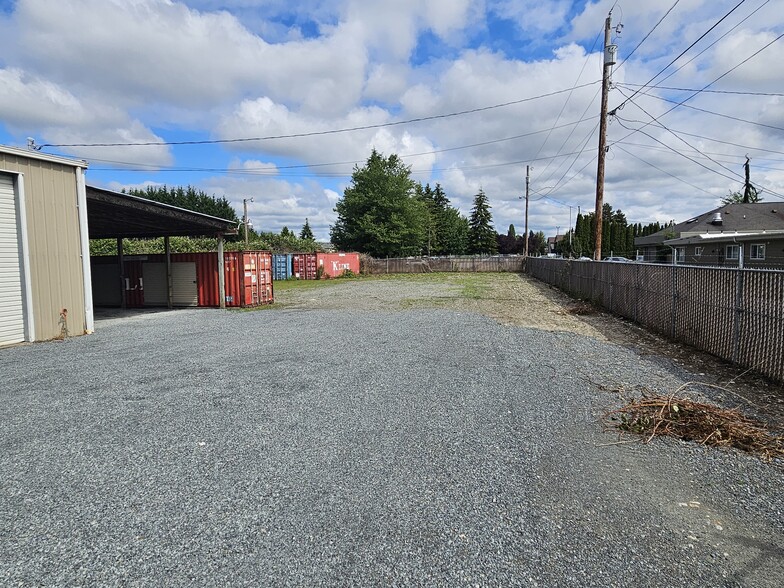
84 239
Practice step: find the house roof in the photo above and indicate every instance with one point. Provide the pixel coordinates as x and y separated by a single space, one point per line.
740 218
725 237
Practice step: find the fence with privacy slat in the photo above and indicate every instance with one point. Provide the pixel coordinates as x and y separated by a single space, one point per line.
735 314
423 265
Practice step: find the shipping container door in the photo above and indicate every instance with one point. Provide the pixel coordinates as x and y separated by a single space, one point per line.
106 284
155 284
185 290
134 284
12 324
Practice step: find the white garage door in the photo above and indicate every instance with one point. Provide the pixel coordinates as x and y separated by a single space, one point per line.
185 291
11 307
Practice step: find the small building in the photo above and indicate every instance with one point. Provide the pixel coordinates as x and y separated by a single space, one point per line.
45 288
745 234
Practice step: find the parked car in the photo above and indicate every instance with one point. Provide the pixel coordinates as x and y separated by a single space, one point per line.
583 258
618 259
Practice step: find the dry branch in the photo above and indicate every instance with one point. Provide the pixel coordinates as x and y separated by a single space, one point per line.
688 420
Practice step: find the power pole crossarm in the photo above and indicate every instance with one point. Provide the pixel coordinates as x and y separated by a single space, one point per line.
609 61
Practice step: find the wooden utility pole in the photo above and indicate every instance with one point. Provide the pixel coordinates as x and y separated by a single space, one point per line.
609 61
245 218
747 187
527 181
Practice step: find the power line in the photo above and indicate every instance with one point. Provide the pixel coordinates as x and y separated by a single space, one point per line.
655 119
737 92
664 171
646 36
719 114
569 96
701 37
153 167
620 121
727 32
319 133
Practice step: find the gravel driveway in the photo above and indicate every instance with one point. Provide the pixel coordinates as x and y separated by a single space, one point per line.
377 442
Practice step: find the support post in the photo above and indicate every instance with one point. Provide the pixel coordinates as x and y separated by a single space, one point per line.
169 288
221 273
84 242
121 263
597 253
527 182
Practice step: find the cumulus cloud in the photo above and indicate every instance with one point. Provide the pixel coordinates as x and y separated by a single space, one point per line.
226 69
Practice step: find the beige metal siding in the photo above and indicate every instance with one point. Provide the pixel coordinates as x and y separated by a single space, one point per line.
53 235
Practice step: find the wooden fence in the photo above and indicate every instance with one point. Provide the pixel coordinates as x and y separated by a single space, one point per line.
422 265
737 315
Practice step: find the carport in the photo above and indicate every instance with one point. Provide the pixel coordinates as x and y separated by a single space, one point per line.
114 215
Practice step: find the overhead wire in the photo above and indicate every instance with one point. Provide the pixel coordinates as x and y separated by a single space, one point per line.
569 95
321 133
736 92
682 53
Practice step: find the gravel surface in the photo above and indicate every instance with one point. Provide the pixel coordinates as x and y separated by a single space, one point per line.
368 445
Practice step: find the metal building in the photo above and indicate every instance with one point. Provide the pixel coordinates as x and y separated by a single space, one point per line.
44 247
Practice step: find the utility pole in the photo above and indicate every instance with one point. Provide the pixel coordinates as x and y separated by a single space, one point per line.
571 229
747 189
527 182
245 218
609 61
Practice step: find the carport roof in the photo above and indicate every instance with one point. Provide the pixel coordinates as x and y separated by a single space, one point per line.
114 214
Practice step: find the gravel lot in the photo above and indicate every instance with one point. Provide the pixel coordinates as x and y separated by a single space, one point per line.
425 431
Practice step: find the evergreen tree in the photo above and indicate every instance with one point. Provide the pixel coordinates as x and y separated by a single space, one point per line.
306 233
482 235
189 198
380 212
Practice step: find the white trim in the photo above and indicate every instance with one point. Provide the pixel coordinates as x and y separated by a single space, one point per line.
27 286
42 156
734 246
84 241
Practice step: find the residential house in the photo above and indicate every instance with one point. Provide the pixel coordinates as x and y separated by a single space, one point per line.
747 234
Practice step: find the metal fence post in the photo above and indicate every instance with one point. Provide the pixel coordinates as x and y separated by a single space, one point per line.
674 299
736 315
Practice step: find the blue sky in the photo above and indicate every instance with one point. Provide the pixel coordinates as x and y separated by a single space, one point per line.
166 71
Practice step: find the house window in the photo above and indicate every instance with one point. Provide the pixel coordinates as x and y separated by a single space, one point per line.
758 251
697 251
680 254
733 252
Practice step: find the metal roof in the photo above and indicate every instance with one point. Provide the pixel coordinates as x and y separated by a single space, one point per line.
32 154
114 214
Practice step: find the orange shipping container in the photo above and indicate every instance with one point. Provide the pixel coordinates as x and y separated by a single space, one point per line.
335 264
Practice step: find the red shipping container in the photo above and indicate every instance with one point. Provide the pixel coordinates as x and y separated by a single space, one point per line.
335 264
304 266
248 277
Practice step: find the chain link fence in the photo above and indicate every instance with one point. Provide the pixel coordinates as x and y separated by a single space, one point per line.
734 314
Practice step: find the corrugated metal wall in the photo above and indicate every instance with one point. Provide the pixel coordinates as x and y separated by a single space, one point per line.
54 244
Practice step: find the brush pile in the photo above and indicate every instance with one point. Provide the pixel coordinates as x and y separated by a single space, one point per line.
689 420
